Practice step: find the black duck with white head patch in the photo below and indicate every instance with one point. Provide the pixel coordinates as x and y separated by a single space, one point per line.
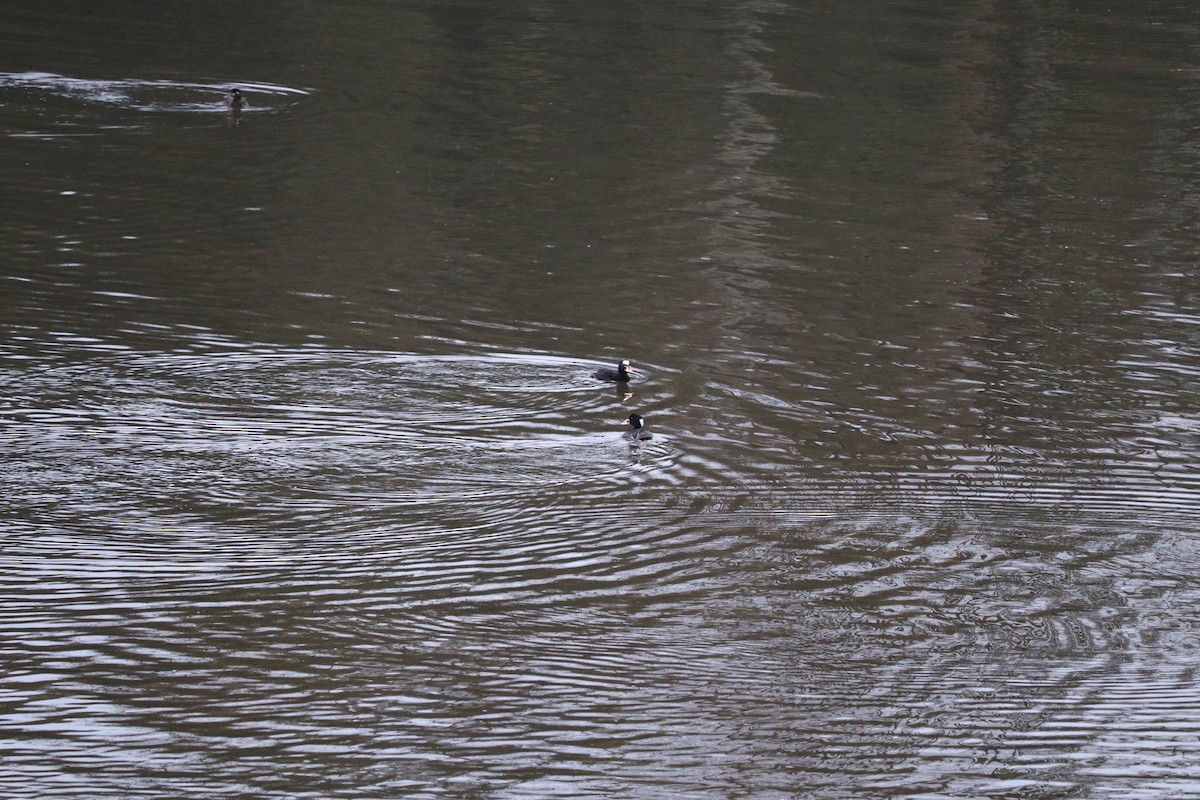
637 428
618 375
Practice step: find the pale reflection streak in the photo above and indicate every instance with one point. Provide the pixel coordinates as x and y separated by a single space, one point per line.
738 220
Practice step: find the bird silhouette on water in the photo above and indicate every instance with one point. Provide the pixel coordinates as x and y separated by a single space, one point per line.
618 375
637 428
234 100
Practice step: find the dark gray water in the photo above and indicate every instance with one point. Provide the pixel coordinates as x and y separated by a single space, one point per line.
307 490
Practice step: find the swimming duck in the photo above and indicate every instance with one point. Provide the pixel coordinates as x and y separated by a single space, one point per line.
234 100
637 431
620 374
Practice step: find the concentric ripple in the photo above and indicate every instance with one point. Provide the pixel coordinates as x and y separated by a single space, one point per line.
248 456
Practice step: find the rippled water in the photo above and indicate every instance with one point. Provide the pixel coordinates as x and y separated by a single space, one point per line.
307 489
40 89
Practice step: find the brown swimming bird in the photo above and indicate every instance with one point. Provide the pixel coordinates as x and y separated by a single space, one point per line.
234 100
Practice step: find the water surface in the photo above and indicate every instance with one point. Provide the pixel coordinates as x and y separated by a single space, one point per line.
308 490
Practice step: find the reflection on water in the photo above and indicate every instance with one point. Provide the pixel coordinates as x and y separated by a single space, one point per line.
309 492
